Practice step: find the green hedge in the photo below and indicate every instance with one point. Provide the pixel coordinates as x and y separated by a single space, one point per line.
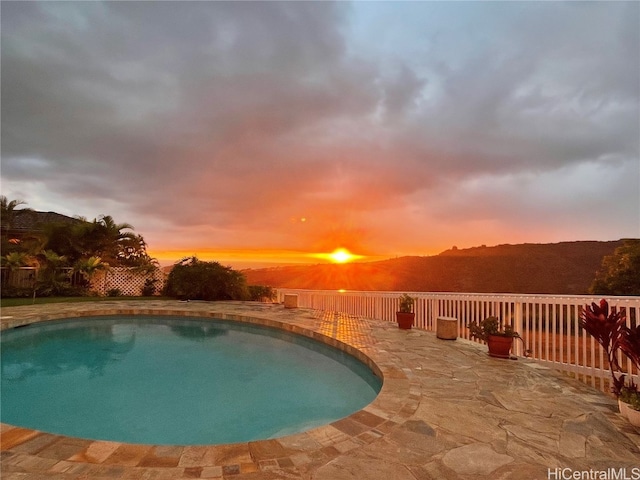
192 279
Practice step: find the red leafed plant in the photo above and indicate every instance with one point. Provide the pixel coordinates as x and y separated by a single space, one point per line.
611 332
630 344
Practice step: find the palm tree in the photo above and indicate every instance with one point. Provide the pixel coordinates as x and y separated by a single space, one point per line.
51 280
49 258
9 214
14 261
104 238
133 253
88 267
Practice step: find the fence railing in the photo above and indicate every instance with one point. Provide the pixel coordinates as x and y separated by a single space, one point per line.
24 277
548 324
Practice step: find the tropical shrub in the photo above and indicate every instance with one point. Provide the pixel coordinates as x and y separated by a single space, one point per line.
60 288
490 326
259 293
406 303
149 287
192 279
16 292
88 268
51 280
609 329
619 273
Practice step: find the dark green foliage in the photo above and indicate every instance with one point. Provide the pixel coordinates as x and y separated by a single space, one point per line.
9 214
76 239
490 326
101 238
260 293
114 292
149 287
406 303
17 292
620 272
631 396
60 289
67 252
62 239
192 279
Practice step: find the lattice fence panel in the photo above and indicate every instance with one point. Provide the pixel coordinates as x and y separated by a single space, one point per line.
127 281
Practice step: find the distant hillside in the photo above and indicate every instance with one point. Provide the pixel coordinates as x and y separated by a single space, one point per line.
559 268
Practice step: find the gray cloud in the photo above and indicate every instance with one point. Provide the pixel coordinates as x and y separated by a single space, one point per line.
235 117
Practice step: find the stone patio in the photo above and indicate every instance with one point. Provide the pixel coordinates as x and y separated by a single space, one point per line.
446 411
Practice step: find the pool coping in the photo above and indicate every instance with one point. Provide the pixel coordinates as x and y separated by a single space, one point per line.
397 400
447 410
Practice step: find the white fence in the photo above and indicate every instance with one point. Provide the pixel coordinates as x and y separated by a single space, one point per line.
548 324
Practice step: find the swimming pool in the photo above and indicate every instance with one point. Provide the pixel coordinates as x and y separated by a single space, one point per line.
175 380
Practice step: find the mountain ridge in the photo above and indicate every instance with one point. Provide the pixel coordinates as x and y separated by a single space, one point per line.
545 268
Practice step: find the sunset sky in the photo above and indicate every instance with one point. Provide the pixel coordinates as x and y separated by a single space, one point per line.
264 132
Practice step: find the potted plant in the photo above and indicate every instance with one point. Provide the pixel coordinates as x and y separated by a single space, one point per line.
610 330
629 403
405 315
499 341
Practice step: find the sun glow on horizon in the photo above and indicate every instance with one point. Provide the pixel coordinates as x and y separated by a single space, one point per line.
339 255
254 258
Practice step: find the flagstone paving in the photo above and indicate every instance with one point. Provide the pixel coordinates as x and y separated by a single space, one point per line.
446 411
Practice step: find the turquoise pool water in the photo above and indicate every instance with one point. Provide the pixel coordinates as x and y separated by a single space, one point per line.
175 380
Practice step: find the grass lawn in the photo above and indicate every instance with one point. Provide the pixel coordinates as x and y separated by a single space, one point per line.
16 302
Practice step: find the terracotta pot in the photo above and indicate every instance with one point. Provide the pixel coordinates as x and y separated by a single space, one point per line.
499 346
405 320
